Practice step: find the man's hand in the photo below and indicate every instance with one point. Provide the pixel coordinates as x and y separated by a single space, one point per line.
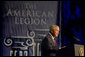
63 47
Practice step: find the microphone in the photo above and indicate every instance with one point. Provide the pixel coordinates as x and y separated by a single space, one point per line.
76 39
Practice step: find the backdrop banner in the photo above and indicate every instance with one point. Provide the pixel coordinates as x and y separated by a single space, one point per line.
24 24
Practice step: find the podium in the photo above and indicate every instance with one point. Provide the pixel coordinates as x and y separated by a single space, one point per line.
71 50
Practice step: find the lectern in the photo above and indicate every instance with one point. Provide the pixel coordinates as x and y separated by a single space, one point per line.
71 50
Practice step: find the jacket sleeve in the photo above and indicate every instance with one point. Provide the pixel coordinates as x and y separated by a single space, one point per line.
46 47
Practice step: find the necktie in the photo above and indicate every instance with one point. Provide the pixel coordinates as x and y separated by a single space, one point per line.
54 42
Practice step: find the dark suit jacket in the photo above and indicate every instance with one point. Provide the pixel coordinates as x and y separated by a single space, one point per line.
47 46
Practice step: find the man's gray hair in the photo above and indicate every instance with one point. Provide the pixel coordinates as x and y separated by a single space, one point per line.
53 27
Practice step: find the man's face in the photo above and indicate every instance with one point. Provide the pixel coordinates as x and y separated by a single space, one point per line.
56 32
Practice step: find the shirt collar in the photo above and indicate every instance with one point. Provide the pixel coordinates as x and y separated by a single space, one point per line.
52 36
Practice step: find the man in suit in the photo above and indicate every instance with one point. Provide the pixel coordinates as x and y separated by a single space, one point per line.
48 45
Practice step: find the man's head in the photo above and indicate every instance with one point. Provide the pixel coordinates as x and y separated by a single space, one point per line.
54 30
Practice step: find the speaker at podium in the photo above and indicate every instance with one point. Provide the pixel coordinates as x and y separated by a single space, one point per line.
71 50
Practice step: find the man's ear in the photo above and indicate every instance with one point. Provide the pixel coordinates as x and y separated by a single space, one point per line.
52 32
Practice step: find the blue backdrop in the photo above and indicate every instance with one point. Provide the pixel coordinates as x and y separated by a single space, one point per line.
72 22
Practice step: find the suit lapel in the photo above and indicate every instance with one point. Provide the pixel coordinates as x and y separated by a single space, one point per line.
51 40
